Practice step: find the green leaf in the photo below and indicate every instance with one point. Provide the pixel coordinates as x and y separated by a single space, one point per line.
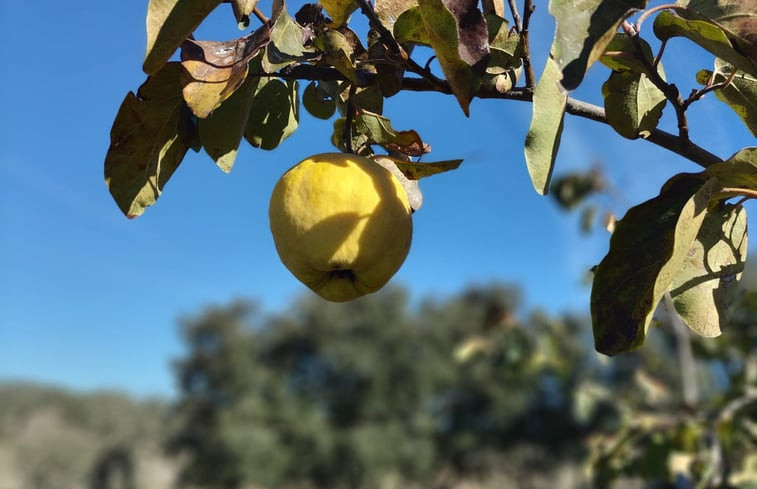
337 52
740 94
704 33
739 171
502 38
633 104
647 250
737 18
214 70
286 46
370 128
416 170
169 23
339 10
223 130
543 138
150 136
318 102
584 29
388 11
409 28
441 26
242 10
274 115
707 284
621 54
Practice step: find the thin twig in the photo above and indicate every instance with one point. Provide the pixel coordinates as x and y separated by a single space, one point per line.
516 15
528 10
698 94
671 142
260 15
647 13
391 43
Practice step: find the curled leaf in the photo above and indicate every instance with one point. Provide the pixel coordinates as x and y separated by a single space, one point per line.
150 136
740 93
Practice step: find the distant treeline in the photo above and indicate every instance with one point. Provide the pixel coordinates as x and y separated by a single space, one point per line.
466 391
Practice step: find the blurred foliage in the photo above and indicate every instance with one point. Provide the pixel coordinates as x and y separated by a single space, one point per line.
466 391
381 393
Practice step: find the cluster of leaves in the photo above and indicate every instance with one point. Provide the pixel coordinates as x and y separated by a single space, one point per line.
689 241
373 391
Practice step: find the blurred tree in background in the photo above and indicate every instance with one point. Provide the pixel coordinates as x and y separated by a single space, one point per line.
462 392
382 393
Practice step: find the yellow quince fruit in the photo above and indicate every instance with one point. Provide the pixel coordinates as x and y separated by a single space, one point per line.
341 224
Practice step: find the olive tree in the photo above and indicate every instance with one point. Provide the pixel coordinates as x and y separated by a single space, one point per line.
687 245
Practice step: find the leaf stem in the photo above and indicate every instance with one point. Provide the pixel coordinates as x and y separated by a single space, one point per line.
653 10
728 192
260 15
698 94
391 43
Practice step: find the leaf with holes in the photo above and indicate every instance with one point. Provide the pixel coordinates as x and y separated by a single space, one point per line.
647 251
584 29
214 70
318 102
707 284
169 23
150 136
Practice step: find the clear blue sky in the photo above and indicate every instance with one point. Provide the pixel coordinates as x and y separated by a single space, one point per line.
89 299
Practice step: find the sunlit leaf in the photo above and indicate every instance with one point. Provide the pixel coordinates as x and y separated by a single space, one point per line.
287 44
737 18
242 10
274 115
339 10
704 33
150 136
416 170
740 94
213 70
455 55
412 189
222 131
504 39
409 28
707 284
378 130
633 104
169 23
388 11
584 28
738 171
647 251
543 138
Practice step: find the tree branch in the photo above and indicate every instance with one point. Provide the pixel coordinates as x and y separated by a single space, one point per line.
676 144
